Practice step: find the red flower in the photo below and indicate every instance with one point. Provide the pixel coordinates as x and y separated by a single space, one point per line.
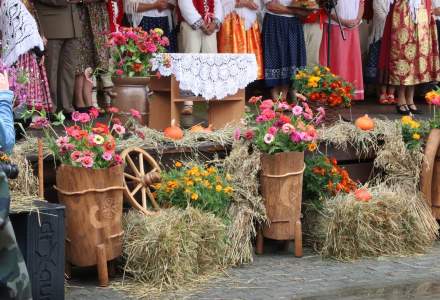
135 114
100 128
94 113
254 99
249 135
138 67
110 145
113 109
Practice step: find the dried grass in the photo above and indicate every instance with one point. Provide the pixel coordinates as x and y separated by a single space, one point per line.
247 207
396 221
173 248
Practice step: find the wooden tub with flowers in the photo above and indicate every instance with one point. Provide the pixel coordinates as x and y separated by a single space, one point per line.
89 183
430 176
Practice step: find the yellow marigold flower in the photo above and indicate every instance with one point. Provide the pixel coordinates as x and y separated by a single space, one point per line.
212 170
228 177
158 31
188 191
194 196
178 164
416 136
218 188
228 190
406 120
430 95
414 124
206 183
197 179
312 147
189 183
157 186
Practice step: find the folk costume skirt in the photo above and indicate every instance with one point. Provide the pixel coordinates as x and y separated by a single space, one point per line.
284 49
148 23
233 38
345 57
409 53
371 72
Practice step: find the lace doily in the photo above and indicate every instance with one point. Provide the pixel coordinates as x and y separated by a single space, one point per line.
212 76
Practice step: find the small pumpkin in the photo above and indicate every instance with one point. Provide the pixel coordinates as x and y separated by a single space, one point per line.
364 123
173 132
197 128
362 195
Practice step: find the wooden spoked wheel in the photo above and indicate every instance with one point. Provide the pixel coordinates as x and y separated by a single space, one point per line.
141 171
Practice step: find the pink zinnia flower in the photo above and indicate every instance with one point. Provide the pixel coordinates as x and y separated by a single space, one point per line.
268 114
62 140
287 128
107 156
297 137
119 72
135 114
272 130
118 159
297 110
283 106
164 42
269 138
75 155
94 113
321 115
76 116
86 161
261 119
266 104
39 123
113 109
249 134
119 129
84 118
237 134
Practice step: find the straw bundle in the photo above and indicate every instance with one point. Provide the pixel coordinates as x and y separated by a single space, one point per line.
395 222
247 207
172 248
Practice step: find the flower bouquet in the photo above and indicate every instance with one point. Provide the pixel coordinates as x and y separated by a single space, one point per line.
323 88
433 98
133 48
282 132
203 187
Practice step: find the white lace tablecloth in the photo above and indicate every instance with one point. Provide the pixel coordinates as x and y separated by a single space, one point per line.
212 76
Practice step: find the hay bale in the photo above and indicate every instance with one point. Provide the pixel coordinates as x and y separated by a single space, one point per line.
172 248
395 222
247 207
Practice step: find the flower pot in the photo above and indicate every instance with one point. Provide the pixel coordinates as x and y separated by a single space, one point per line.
131 93
93 200
281 187
430 177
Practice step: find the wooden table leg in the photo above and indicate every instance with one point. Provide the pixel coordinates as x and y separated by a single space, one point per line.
223 112
298 239
101 258
260 241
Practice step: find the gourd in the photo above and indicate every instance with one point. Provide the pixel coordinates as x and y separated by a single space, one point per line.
200 128
364 123
173 132
362 195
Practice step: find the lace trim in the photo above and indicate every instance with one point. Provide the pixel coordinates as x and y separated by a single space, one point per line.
197 24
212 76
283 73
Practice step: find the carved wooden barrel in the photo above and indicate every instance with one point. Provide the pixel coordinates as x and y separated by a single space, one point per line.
93 200
131 93
430 177
281 187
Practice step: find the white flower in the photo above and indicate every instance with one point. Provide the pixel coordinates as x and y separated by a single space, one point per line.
269 138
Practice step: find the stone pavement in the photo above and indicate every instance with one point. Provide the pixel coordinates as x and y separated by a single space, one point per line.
282 276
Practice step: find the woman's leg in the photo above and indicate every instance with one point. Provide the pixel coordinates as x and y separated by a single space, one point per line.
79 85
401 101
410 99
391 91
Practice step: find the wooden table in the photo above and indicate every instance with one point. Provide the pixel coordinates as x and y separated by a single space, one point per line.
166 103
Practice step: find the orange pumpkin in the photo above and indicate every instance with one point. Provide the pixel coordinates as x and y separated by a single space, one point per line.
364 123
173 132
362 195
197 128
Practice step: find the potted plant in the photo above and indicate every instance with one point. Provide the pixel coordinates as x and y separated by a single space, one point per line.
89 182
430 177
323 88
132 50
282 138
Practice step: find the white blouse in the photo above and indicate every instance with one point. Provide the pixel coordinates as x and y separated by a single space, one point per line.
436 4
347 9
131 7
380 12
192 16
249 16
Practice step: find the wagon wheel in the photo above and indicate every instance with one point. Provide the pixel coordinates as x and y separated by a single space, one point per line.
140 173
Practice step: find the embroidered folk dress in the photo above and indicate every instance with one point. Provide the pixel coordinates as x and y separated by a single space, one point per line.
409 51
240 33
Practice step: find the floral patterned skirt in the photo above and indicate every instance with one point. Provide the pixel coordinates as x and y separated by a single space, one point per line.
36 91
409 53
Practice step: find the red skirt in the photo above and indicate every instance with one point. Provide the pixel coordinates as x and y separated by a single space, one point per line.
345 57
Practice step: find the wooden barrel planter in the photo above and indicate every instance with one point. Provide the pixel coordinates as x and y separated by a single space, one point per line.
93 200
430 177
281 183
131 93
